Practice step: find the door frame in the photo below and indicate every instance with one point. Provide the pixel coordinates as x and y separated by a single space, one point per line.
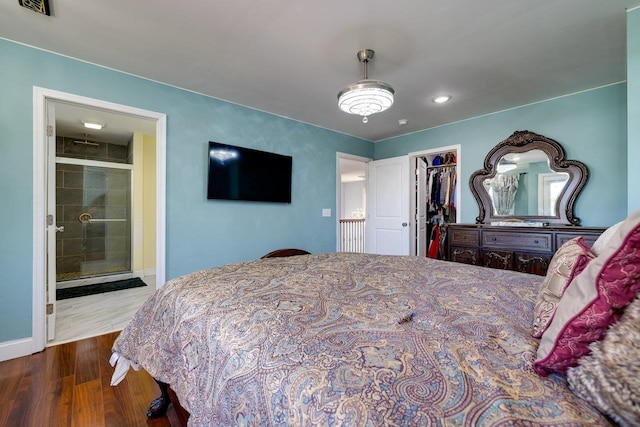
41 96
340 155
412 209
419 236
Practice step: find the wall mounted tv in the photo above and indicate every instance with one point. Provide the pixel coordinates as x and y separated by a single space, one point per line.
238 173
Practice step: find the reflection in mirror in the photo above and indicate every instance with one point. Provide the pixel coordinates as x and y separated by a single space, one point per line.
525 185
502 190
550 186
527 178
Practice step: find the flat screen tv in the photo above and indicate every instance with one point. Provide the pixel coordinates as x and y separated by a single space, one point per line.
238 173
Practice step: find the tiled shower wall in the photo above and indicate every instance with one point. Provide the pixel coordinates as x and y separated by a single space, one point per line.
95 248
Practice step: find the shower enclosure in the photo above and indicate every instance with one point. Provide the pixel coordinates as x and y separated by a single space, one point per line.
93 210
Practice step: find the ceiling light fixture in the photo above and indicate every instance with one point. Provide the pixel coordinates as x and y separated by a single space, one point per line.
365 97
93 125
441 99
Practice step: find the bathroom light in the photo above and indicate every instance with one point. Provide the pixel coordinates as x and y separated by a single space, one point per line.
441 99
365 97
93 125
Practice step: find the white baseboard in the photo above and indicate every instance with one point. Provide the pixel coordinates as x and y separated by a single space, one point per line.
144 273
17 348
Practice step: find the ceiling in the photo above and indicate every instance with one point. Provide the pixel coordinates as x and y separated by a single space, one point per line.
118 128
291 57
352 170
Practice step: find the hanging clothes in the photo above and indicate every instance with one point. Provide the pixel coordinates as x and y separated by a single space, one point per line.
441 184
434 243
441 203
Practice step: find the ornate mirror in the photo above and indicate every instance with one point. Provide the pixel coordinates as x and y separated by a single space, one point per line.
527 180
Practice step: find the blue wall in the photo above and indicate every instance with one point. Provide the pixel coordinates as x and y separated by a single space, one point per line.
633 108
200 233
591 127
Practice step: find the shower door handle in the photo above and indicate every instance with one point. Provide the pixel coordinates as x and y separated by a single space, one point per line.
87 218
60 229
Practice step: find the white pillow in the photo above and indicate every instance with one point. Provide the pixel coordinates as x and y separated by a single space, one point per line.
601 243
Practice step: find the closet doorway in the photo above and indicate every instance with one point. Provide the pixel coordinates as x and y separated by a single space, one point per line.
435 197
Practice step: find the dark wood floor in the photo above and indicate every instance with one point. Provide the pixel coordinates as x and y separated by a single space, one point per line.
68 385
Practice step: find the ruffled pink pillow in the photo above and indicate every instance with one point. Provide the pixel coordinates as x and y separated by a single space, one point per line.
567 262
594 300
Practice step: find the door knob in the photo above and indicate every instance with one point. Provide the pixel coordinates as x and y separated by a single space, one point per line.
404 224
60 229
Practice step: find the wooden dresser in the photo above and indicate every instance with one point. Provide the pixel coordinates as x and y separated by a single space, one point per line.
525 249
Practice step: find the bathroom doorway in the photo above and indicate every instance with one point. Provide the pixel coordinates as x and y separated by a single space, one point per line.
95 228
91 191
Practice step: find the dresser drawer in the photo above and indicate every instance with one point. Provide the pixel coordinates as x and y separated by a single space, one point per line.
465 255
562 238
533 262
497 259
518 240
464 237
526 249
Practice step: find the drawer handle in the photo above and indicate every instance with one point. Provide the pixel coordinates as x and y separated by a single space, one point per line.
536 241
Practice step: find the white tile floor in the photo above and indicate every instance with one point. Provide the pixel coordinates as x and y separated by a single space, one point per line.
93 315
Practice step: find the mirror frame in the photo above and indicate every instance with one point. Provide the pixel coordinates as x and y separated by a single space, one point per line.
520 142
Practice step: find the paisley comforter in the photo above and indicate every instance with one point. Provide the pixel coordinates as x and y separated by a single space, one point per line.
351 340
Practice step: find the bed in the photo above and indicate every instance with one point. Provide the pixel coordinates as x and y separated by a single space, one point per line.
350 339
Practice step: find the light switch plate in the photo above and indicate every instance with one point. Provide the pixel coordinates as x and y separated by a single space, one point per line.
326 212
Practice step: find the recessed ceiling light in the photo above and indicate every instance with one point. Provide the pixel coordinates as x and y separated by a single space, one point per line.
402 122
93 125
441 99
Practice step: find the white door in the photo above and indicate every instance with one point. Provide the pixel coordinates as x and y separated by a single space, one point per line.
421 207
52 229
387 225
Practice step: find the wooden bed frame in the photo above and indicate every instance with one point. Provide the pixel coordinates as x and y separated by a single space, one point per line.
159 406
285 252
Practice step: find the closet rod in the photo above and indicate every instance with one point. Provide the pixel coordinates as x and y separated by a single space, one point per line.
453 165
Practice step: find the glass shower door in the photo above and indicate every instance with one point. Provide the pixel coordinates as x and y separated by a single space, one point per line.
94 206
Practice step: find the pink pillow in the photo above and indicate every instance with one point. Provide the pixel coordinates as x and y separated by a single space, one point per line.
567 262
594 300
